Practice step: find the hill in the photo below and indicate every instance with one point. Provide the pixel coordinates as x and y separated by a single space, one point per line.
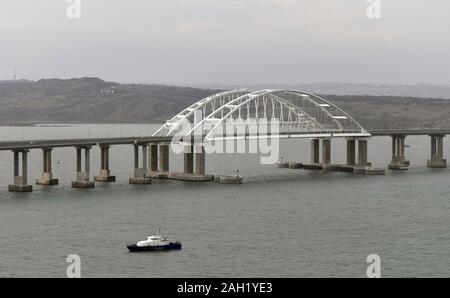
92 100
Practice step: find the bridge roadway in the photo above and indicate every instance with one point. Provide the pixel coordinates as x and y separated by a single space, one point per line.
58 143
37 144
408 132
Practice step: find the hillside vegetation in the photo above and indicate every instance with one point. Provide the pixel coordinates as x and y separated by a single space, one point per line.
92 100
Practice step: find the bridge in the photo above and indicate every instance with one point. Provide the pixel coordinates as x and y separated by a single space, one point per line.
227 116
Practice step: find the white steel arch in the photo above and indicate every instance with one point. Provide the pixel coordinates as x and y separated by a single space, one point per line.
208 104
296 114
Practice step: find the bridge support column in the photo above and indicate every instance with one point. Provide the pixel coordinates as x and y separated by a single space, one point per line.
105 172
362 153
164 161
20 182
153 157
140 173
351 152
398 153
326 151
188 159
47 175
200 160
315 151
437 152
83 177
152 171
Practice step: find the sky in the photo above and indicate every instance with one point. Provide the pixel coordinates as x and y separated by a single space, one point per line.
227 41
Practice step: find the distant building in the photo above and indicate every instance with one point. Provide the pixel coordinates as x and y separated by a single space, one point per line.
109 90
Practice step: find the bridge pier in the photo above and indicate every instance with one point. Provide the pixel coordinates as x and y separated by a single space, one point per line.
153 162
316 164
326 156
140 174
47 175
194 165
437 152
20 182
362 153
315 151
351 152
83 177
200 159
105 172
398 153
164 161
363 166
153 157
326 151
351 157
188 159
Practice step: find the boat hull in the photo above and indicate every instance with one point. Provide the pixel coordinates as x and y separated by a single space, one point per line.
170 246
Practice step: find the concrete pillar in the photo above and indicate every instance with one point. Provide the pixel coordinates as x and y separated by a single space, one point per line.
441 147
326 151
105 172
153 157
78 160
87 163
315 151
164 157
351 152
136 156
106 156
398 161
24 167
437 152
102 158
83 177
49 160
44 161
144 157
16 163
47 175
140 173
200 157
20 182
188 159
362 153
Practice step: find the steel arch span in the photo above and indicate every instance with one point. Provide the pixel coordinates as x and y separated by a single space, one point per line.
275 113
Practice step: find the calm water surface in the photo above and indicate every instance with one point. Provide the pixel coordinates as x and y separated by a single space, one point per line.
279 223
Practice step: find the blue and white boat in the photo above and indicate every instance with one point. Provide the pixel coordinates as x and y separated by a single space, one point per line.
154 242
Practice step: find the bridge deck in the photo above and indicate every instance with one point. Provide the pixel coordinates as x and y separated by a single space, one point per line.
54 143
416 132
33 144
